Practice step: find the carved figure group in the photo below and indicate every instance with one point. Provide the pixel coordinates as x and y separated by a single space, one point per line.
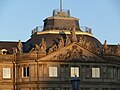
61 43
82 40
53 48
67 40
70 54
41 47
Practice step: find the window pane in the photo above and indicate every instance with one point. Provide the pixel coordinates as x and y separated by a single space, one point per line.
74 71
55 71
27 71
6 73
52 71
24 71
95 72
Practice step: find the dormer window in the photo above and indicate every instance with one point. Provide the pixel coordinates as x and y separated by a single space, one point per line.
3 51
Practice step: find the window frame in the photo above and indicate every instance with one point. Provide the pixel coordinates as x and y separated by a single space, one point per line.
96 74
53 71
75 69
8 70
25 72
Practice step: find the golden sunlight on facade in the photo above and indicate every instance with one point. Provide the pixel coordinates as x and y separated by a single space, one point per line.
61 51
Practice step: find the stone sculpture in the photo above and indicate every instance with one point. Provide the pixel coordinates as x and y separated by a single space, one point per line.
118 50
73 34
106 49
14 50
61 43
43 45
67 40
20 46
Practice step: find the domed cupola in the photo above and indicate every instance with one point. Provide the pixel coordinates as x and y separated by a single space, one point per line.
61 20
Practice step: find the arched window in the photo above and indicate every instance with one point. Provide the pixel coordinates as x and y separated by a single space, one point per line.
25 71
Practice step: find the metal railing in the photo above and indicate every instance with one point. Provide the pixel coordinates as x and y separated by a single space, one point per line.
86 29
57 11
50 27
38 28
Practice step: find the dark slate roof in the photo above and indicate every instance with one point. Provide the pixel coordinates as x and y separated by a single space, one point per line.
60 23
54 38
8 45
112 59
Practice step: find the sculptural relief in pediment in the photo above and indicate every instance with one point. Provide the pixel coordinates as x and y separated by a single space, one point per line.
69 54
73 53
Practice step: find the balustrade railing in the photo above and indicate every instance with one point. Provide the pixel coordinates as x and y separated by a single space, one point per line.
38 28
50 27
86 29
7 57
58 11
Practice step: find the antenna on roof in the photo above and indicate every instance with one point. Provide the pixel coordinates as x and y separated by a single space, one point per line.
60 5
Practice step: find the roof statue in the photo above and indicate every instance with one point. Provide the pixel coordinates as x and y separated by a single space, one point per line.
67 42
37 48
106 49
73 34
43 45
118 50
82 42
14 50
61 43
20 46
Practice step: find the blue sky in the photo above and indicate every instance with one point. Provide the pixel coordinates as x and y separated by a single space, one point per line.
19 17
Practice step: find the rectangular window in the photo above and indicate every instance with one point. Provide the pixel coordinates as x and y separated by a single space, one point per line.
53 72
7 73
74 71
25 71
95 72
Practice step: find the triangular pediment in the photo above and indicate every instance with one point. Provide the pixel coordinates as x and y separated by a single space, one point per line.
73 52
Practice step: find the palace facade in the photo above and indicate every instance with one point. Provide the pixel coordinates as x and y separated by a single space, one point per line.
51 57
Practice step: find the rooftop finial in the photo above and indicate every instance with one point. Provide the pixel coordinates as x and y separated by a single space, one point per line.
60 5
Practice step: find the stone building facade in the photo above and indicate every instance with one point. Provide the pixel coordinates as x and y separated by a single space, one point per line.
51 57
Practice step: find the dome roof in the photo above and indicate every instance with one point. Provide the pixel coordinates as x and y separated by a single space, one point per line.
60 25
61 21
89 42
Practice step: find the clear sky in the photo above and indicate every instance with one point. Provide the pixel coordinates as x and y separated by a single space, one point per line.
19 17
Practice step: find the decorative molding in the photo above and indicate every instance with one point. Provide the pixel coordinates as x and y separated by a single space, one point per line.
75 54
